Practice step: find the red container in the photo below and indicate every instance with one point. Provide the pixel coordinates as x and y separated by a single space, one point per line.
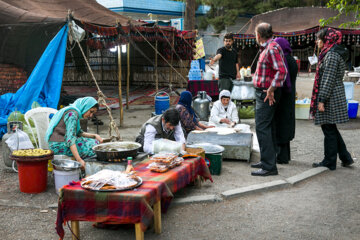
32 175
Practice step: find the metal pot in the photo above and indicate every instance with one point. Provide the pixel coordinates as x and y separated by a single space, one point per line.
116 150
243 90
209 148
65 164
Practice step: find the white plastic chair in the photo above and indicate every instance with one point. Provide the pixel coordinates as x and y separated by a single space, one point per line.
40 117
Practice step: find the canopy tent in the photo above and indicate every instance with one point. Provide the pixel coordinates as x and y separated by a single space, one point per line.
43 85
27 26
298 26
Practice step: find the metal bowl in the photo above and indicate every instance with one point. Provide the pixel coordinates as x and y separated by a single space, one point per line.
209 148
65 164
116 150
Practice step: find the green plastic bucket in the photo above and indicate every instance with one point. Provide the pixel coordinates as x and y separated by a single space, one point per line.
215 163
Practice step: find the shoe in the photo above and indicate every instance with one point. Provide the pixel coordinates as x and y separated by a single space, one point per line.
256 165
320 164
348 163
263 173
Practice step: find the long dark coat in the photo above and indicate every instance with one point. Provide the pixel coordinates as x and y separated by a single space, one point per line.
331 89
285 110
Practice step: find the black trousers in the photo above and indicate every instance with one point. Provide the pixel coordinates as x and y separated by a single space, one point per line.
265 129
225 84
334 145
283 155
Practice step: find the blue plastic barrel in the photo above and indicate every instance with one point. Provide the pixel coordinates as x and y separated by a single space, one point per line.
162 103
353 108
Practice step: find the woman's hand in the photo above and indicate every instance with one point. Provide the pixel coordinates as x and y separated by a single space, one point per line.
82 162
97 137
225 120
321 107
210 126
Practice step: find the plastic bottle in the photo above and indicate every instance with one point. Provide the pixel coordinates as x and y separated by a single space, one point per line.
242 72
129 167
248 71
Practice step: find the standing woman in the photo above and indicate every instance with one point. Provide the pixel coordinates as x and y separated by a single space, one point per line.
328 102
64 134
285 111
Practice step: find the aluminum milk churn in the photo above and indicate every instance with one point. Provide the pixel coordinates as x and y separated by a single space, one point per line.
6 151
202 106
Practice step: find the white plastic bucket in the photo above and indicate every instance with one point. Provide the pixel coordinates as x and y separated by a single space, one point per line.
63 178
349 90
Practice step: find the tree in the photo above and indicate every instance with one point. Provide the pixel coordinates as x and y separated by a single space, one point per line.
189 21
225 12
344 7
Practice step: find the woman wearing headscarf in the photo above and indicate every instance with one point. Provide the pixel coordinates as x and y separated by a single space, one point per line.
328 102
224 111
285 110
187 115
64 134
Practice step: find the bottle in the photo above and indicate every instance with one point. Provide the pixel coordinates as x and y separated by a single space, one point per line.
242 73
129 167
248 71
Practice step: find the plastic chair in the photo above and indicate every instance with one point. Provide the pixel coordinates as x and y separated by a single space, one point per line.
40 117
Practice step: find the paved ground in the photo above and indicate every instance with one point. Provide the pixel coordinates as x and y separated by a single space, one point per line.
324 207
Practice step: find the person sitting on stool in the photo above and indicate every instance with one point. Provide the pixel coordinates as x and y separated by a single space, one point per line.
224 111
165 126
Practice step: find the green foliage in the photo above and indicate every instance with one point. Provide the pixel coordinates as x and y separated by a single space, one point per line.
225 12
344 7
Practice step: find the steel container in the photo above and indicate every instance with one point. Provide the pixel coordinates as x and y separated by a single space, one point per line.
201 106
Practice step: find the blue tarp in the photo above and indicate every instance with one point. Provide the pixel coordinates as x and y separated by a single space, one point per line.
43 85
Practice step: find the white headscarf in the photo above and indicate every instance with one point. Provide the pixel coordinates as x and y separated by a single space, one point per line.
224 93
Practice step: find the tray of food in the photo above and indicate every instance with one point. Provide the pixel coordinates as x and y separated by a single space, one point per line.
164 166
111 181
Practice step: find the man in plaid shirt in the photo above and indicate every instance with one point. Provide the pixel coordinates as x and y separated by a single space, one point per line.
270 74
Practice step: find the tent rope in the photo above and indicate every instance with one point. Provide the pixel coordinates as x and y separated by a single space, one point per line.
101 100
160 54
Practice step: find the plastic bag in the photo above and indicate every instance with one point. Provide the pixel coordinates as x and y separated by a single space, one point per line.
165 145
19 140
313 59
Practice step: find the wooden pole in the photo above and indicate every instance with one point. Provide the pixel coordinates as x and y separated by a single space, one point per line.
128 76
156 67
171 60
156 62
120 92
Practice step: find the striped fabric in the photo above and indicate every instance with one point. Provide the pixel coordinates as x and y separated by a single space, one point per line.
332 91
134 206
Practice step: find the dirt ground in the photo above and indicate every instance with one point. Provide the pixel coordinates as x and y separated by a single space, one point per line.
315 207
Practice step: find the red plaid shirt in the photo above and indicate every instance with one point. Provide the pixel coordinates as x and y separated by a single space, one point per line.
271 68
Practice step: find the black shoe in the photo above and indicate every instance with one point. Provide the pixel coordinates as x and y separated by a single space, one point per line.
320 164
282 162
348 163
263 173
256 165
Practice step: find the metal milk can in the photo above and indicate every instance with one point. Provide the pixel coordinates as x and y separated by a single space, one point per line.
202 106
6 151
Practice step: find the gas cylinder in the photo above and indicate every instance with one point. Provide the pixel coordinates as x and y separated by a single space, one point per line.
6 151
202 106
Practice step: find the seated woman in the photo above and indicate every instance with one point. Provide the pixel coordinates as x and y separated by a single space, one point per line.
224 111
64 134
187 115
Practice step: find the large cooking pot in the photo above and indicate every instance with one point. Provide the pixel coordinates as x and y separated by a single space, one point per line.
243 90
116 150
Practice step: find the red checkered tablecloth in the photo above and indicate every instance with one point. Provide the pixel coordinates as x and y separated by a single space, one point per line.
134 206
211 87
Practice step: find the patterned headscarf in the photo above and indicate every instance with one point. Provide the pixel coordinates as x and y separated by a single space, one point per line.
81 106
332 37
186 100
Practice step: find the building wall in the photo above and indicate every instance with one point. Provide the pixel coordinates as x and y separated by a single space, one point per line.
11 78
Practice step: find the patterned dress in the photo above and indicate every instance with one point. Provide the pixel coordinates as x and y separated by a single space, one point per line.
83 145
